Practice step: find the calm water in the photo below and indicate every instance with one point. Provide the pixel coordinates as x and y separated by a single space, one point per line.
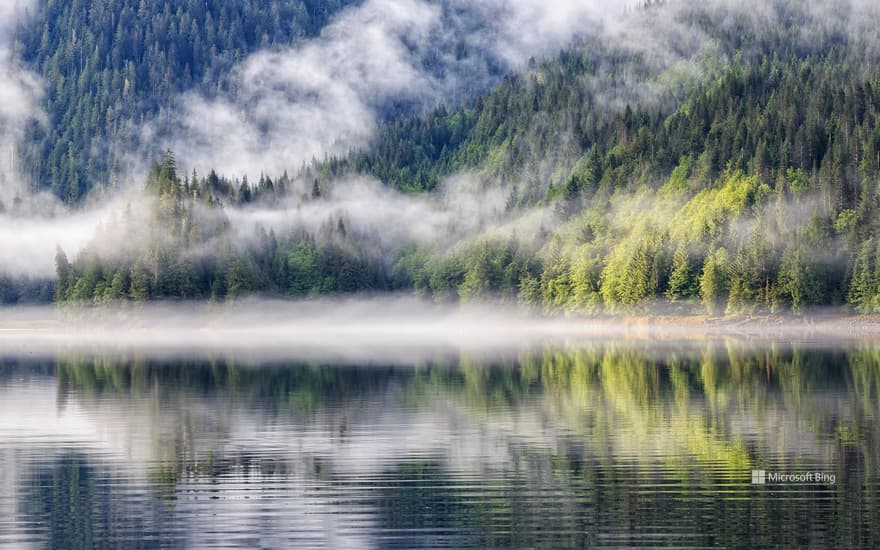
621 445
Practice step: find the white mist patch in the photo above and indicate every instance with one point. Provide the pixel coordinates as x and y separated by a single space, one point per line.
461 208
526 28
290 106
18 87
365 329
20 91
31 224
28 243
322 97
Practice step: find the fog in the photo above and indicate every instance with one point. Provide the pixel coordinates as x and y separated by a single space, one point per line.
395 330
290 106
325 96
20 91
32 224
377 329
322 96
462 208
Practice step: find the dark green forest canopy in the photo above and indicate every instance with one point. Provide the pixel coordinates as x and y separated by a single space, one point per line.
768 100
748 187
110 65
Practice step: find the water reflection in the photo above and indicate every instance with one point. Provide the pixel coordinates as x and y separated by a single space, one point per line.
623 444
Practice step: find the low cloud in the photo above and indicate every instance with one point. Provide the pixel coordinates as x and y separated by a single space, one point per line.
326 96
460 209
380 330
290 106
28 243
20 90
30 224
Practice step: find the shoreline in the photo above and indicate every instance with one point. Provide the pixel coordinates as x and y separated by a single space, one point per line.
769 326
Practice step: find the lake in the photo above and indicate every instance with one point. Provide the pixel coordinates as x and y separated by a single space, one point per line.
632 443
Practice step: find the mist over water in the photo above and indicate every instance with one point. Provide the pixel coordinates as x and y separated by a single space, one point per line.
379 330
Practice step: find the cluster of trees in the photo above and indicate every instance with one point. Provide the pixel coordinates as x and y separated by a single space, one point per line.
109 66
736 246
183 247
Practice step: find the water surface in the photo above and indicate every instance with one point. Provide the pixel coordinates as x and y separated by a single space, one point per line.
621 444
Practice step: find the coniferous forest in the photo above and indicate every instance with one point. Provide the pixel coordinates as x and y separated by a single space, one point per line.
747 185
109 66
439 273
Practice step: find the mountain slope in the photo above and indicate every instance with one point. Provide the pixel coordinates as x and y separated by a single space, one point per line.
110 66
746 184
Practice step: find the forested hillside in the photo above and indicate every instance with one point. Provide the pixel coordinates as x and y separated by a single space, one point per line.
109 66
749 186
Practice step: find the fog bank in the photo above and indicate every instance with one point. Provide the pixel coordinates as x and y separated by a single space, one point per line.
380 330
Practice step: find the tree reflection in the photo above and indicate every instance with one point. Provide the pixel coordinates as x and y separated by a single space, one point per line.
579 443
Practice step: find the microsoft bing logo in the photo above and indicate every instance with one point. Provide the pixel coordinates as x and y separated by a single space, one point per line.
762 477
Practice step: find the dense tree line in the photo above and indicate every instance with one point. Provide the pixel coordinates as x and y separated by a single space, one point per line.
25 290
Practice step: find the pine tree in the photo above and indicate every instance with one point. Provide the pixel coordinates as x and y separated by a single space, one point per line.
680 281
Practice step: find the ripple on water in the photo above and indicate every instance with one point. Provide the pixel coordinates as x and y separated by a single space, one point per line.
569 448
